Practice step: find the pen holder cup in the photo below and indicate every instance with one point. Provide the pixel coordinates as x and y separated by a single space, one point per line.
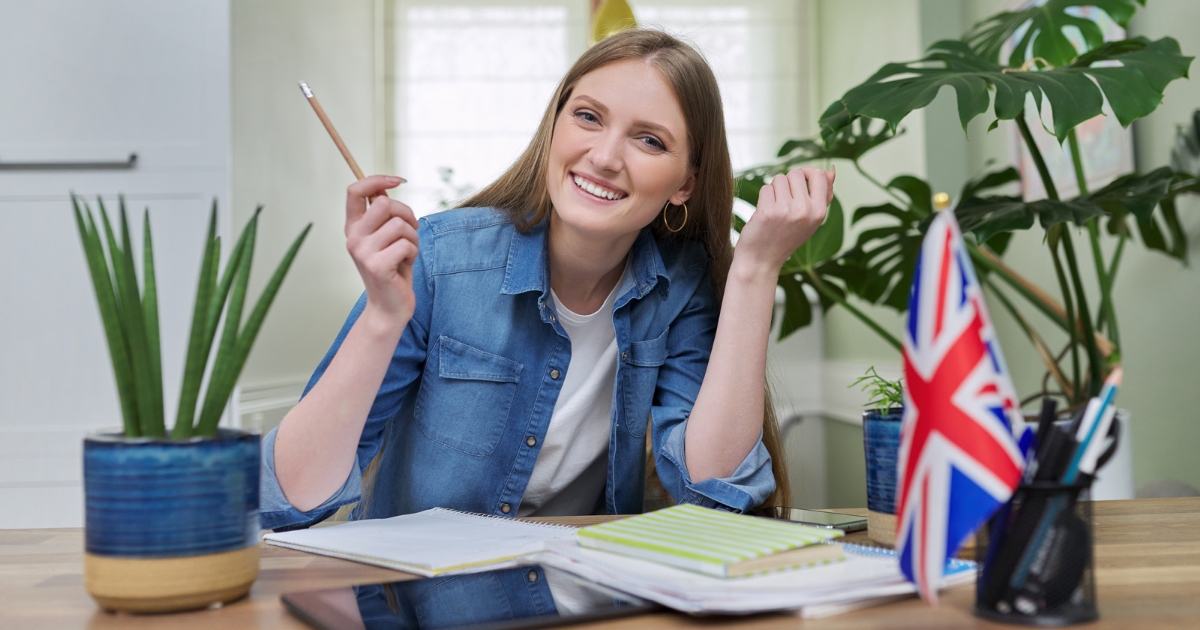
1035 558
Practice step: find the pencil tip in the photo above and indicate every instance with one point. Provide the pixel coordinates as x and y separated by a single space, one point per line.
1118 373
304 88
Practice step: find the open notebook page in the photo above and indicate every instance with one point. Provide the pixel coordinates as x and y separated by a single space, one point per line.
433 542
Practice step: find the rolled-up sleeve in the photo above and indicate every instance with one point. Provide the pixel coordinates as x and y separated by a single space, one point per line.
404 370
275 511
689 346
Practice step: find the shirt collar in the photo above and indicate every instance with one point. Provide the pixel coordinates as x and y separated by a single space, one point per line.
528 266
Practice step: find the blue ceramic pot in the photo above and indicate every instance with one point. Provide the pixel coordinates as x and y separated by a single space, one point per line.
170 524
881 443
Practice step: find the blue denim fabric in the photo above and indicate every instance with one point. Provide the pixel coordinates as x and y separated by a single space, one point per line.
479 368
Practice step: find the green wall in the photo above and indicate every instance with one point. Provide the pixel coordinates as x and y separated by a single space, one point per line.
1156 298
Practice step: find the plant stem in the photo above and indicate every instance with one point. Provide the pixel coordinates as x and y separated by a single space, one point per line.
1103 315
1072 334
1107 313
1028 290
879 184
879 330
1038 161
1089 338
1039 344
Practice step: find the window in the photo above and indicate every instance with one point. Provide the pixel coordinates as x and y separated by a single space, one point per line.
470 79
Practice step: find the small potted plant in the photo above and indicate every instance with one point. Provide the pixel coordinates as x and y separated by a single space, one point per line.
172 519
881 448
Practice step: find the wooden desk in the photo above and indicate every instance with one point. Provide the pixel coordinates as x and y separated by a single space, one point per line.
1147 569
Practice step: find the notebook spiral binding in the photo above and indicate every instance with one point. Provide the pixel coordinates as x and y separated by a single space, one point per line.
953 565
506 519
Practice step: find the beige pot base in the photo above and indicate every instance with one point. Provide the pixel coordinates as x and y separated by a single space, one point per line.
881 527
151 585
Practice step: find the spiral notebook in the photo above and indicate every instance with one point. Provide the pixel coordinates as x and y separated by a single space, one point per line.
717 543
434 542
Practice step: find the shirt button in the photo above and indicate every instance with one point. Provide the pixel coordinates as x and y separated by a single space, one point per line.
624 356
531 576
505 507
554 374
531 441
551 318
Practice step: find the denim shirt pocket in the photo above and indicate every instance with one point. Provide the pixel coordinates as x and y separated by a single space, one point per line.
645 358
465 397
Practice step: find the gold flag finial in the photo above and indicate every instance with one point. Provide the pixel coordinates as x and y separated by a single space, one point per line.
941 201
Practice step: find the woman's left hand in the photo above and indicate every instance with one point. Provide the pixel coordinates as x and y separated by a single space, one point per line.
789 210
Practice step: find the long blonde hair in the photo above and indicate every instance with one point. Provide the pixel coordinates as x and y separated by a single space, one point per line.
521 191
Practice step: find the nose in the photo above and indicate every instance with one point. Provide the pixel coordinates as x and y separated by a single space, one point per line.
606 153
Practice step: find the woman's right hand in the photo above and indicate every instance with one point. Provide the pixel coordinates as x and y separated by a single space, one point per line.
382 240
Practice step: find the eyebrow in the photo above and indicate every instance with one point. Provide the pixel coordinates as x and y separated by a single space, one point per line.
652 126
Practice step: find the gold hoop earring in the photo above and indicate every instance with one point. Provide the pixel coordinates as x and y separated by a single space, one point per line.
668 225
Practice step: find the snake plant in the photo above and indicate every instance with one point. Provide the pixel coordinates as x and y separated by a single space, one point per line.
129 312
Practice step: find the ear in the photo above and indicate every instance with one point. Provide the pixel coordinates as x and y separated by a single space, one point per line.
685 191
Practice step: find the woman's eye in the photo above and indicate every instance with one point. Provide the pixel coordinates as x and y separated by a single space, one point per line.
653 143
586 116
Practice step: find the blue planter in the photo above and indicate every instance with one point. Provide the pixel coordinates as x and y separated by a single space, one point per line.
881 443
170 524
155 498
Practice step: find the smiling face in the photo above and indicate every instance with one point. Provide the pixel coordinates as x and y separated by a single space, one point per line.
619 152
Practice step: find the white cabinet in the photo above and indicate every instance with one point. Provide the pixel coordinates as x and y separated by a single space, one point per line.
83 86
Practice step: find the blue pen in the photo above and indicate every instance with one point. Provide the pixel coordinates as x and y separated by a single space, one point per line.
1106 398
1058 503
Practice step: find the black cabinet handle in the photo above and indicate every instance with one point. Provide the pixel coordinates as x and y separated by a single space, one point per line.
111 165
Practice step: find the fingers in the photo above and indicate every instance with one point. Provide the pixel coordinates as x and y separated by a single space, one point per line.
818 187
379 212
393 230
365 188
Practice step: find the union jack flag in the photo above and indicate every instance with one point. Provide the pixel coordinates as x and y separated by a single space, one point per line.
958 460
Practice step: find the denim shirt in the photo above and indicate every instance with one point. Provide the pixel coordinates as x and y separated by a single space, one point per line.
468 395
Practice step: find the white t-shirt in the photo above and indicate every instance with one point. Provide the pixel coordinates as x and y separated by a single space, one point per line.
568 476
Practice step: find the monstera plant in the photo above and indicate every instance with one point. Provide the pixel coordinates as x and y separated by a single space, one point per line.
1075 81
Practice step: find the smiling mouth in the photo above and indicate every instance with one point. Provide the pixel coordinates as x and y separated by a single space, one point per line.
596 190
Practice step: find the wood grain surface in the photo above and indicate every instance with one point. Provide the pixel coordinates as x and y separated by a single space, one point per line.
1147 571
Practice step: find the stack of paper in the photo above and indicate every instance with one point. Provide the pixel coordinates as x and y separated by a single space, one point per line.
868 573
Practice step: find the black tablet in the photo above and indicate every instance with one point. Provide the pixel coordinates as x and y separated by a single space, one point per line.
521 597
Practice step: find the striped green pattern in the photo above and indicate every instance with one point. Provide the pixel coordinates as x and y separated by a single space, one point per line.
698 538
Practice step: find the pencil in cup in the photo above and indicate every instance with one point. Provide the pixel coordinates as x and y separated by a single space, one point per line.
337 138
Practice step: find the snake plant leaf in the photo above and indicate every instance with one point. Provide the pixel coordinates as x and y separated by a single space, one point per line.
130 308
249 332
223 376
1045 27
197 352
150 314
1075 92
118 351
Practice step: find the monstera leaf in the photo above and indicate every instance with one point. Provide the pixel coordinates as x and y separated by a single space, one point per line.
886 255
1075 92
812 263
850 143
1137 195
1044 27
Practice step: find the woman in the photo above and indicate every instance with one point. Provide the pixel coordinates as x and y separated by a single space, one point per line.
516 365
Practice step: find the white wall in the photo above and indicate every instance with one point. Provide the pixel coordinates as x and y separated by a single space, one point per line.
283 158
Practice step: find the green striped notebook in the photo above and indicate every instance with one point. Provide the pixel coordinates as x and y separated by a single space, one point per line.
714 542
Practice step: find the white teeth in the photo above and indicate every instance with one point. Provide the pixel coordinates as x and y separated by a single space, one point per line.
595 190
